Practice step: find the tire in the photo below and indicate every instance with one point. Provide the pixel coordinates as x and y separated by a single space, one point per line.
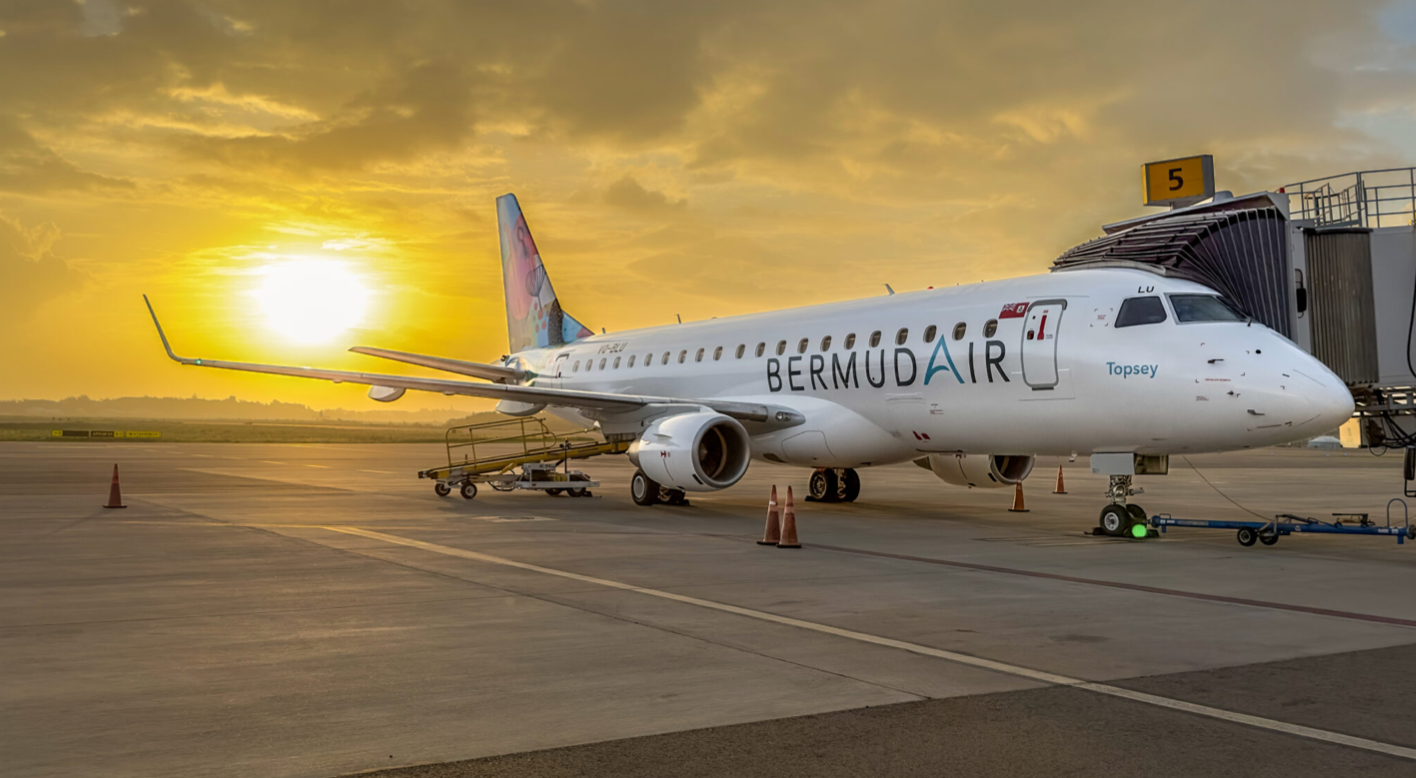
1268 538
1246 536
852 485
442 489
822 486
1138 514
554 492
642 489
469 490
578 491
1115 520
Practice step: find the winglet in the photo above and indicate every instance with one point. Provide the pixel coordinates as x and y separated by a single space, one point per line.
163 335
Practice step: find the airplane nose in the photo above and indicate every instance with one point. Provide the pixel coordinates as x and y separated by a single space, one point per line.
1327 400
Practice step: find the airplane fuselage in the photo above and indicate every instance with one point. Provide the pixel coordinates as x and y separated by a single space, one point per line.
1032 365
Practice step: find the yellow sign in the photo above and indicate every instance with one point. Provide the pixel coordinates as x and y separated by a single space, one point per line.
103 434
1179 181
133 434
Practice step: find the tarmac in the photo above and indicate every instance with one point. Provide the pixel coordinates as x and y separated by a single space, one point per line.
284 610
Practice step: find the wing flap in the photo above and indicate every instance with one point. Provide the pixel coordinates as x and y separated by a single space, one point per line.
474 369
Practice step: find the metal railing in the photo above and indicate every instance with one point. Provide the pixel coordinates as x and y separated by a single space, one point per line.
531 432
1368 198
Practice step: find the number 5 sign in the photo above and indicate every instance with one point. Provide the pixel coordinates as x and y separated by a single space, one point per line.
1179 182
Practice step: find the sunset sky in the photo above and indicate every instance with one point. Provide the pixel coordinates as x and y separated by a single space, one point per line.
698 158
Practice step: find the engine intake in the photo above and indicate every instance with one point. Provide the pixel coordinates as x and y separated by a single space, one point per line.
695 452
984 471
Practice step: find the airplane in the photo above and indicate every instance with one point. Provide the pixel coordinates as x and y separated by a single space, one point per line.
971 382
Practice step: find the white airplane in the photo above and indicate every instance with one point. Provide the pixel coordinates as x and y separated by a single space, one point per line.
972 382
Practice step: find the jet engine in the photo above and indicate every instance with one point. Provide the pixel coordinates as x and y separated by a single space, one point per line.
985 471
695 452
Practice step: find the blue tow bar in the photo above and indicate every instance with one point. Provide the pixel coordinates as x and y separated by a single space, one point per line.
1268 532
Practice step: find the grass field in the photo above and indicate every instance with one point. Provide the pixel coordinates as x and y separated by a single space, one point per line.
232 431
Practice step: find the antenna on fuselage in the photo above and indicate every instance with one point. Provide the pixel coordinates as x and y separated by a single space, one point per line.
680 318
889 290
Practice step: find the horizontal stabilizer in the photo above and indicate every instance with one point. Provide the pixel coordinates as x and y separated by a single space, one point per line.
496 373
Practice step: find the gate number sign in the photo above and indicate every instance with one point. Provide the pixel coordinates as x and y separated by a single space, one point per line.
1178 182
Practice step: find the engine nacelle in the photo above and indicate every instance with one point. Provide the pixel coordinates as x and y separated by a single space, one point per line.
695 452
985 471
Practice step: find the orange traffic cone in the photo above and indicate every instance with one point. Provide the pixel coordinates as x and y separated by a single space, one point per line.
773 534
789 538
115 498
1018 499
1061 488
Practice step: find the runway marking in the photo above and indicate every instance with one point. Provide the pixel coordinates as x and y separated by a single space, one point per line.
1040 676
326 467
272 462
1129 586
383 472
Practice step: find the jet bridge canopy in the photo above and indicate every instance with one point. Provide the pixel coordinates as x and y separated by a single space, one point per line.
1240 252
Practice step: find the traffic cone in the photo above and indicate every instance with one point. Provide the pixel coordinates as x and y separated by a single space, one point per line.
773 534
115 498
1061 489
1018 499
789 536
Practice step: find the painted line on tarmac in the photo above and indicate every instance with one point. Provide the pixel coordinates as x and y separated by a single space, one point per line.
1040 676
1392 620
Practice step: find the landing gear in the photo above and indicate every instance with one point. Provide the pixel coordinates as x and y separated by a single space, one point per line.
1120 519
833 484
674 497
642 489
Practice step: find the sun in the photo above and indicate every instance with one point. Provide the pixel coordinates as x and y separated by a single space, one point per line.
312 300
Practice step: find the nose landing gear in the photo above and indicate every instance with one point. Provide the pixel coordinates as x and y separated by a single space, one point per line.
1120 519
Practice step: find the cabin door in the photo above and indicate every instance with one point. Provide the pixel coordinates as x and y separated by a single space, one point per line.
1044 320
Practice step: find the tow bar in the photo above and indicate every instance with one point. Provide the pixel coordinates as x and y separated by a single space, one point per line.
1268 532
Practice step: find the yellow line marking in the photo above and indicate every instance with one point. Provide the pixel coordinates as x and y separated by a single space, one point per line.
1040 676
384 472
323 466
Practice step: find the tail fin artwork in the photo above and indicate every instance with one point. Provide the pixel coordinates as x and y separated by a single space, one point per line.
534 318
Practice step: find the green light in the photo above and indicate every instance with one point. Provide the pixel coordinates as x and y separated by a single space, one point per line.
1138 530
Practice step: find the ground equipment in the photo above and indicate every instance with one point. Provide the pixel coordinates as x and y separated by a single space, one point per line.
1268 532
519 453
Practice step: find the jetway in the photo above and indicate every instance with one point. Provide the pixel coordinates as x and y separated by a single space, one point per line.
1329 263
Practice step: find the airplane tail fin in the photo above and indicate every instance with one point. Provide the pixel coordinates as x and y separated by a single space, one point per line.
534 318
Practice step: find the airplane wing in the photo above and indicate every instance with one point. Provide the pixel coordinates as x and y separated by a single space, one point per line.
474 369
604 401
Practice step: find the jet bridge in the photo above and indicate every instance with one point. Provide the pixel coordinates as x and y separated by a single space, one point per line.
1329 263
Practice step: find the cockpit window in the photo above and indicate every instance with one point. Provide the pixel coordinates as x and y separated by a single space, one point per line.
1140 310
1203 307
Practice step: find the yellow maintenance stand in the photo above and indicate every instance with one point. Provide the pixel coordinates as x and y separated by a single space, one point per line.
521 453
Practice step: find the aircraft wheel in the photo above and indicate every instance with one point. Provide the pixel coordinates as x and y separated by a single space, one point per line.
1268 538
1246 536
822 487
442 489
642 489
852 485
1115 519
469 490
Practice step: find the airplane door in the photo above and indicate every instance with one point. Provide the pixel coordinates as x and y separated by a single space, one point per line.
560 364
1040 343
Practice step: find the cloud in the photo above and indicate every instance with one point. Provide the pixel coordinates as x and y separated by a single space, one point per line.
26 167
629 194
33 274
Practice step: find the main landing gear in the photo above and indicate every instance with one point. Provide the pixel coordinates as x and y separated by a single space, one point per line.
646 491
833 484
1120 519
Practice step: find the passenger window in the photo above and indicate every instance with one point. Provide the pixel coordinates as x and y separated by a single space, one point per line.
699 356
617 363
990 328
576 369
850 341
742 347
630 363
902 336
717 353
602 364
1140 310
649 359
929 333
761 347
875 338
826 343
684 355
589 365
959 330
666 357
781 347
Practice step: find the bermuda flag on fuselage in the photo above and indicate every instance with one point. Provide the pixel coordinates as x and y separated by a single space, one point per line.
1013 311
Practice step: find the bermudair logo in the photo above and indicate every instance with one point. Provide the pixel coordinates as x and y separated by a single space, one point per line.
1126 371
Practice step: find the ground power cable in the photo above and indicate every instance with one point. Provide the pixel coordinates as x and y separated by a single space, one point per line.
1219 491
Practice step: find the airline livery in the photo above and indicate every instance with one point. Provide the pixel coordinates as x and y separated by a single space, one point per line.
971 382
